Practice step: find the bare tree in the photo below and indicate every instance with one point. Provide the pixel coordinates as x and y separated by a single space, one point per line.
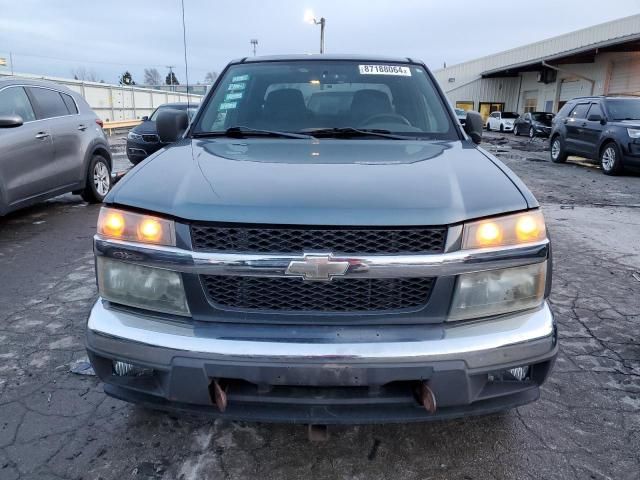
81 73
152 76
210 77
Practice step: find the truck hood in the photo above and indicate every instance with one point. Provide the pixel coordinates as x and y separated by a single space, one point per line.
322 182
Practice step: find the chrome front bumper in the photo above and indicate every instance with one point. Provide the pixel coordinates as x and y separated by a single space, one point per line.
490 343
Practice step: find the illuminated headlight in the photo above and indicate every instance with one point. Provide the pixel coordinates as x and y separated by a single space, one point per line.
122 225
134 136
141 287
495 292
634 132
521 228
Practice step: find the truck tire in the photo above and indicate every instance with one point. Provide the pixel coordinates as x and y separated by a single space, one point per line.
98 180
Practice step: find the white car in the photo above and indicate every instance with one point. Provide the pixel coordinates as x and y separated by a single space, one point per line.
502 121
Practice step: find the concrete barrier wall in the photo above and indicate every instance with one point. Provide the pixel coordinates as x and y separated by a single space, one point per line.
119 102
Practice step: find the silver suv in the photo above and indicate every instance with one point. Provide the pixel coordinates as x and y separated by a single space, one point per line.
51 143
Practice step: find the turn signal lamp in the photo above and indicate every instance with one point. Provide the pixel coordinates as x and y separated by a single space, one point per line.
135 227
527 227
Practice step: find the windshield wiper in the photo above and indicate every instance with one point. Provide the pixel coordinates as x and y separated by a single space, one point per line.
240 131
351 132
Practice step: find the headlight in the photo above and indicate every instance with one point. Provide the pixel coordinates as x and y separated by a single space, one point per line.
634 132
515 229
114 223
134 136
141 287
495 292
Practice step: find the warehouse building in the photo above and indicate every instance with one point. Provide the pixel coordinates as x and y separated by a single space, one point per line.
542 76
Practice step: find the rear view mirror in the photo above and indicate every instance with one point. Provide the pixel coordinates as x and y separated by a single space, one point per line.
171 125
10 121
473 126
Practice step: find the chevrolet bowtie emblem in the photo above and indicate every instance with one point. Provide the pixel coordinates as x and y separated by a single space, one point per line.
317 267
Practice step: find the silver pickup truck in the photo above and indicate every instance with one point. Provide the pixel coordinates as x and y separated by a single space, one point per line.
324 243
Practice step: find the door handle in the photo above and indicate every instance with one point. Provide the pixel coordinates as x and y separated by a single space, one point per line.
41 135
82 127
584 124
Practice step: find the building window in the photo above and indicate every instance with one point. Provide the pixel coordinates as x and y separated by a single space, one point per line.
465 105
530 102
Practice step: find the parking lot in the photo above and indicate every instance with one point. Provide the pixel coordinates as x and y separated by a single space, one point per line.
57 424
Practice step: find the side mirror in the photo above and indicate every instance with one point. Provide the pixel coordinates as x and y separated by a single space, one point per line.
594 117
145 118
171 125
10 121
473 126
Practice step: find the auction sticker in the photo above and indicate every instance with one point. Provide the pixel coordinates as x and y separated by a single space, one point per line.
227 106
233 96
236 86
385 70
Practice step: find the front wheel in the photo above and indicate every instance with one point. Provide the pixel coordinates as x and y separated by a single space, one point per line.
488 128
98 180
516 130
501 128
558 154
532 132
611 159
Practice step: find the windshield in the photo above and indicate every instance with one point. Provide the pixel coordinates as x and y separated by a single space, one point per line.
509 115
302 96
460 112
624 108
544 118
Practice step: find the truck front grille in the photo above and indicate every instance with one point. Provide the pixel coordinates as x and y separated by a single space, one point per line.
296 240
296 295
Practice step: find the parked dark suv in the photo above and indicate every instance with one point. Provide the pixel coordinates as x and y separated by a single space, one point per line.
606 129
143 140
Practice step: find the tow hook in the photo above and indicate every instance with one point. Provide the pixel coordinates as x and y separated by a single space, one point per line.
427 398
219 395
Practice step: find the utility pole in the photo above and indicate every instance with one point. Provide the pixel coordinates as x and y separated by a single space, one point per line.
310 18
322 22
254 42
171 67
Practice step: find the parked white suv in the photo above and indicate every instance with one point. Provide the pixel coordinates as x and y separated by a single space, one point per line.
502 121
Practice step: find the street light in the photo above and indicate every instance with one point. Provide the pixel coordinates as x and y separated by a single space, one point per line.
309 17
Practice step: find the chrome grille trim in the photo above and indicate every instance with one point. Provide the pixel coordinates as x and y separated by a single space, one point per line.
360 266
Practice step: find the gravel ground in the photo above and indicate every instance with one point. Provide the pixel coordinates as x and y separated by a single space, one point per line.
59 425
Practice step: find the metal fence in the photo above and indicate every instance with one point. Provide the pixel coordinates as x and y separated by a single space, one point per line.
119 102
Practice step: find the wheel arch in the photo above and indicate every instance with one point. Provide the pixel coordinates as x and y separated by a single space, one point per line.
604 142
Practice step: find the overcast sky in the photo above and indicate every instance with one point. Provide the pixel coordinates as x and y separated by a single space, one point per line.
55 37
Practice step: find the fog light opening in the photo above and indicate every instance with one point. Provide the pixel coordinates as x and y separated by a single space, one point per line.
520 373
123 369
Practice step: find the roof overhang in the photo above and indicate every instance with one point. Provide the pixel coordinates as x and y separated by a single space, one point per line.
586 54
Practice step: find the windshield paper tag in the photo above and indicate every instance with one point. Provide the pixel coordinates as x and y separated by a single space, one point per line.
233 96
236 86
240 78
227 106
385 70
